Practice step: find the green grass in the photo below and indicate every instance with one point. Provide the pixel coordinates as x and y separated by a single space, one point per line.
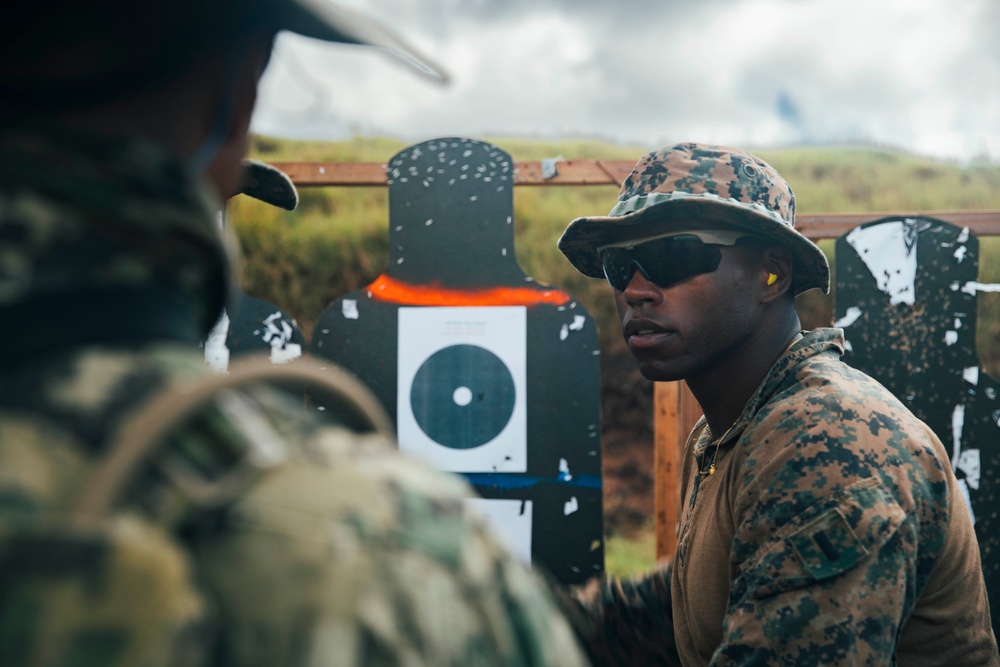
627 556
846 179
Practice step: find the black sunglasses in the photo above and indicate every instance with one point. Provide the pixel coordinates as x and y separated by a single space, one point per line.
665 259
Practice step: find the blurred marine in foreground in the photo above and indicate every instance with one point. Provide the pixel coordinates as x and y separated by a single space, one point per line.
151 512
821 522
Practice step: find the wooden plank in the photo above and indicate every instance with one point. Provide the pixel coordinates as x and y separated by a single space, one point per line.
815 226
617 170
312 174
666 467
818 226
568 172
675 412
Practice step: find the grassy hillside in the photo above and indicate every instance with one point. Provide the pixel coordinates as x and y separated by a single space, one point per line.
337 239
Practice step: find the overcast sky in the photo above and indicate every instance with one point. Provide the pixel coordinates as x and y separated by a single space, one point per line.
920 75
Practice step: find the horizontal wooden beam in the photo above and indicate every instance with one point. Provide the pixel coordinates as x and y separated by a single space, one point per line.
373 174
831 225
816 226
334 174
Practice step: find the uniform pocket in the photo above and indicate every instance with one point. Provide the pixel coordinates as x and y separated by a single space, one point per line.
830 537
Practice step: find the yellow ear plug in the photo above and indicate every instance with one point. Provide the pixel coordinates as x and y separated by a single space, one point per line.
771 279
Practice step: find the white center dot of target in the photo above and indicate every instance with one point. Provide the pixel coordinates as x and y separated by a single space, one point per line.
462 396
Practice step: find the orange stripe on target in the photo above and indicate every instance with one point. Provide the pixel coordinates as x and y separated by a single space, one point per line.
396 291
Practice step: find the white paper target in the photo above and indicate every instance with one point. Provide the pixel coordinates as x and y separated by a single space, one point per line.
461 387
510 520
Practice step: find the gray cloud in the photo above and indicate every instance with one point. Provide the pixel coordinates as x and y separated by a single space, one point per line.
748 72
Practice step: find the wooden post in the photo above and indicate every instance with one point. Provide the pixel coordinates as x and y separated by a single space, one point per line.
666 466
675 413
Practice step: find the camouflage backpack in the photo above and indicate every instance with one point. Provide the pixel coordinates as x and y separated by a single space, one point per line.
84 577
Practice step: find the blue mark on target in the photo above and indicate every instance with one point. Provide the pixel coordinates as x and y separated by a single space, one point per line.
506 481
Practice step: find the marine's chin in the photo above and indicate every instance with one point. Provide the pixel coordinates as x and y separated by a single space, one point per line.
657 371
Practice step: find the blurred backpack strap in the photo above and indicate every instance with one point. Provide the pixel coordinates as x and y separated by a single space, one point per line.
143 431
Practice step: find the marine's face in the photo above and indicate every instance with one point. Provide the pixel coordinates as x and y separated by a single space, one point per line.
685 329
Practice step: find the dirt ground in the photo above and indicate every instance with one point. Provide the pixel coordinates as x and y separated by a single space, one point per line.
627 419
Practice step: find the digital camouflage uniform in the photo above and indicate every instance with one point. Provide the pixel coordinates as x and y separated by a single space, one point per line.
335 551
833 532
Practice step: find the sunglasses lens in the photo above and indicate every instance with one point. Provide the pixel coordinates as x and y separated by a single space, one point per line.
665 262
618 267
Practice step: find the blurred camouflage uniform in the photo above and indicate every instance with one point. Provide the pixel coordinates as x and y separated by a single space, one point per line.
338 552
255 535
826 525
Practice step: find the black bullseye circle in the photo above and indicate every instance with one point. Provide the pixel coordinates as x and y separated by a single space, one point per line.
462 396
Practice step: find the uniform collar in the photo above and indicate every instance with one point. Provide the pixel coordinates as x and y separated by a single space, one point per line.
811 344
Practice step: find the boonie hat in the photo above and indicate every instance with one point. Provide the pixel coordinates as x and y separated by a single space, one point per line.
322 19
709 184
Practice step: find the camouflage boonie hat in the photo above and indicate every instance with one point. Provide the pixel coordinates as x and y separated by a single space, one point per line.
708 184
268 184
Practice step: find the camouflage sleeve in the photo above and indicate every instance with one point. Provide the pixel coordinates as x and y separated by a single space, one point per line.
624 622
824 557
347 553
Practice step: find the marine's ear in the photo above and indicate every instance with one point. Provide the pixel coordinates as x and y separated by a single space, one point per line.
777 272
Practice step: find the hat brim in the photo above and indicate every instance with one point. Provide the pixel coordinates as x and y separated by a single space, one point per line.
585 235
323 20
268 184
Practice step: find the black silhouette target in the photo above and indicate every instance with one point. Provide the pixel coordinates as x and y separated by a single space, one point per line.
462 396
